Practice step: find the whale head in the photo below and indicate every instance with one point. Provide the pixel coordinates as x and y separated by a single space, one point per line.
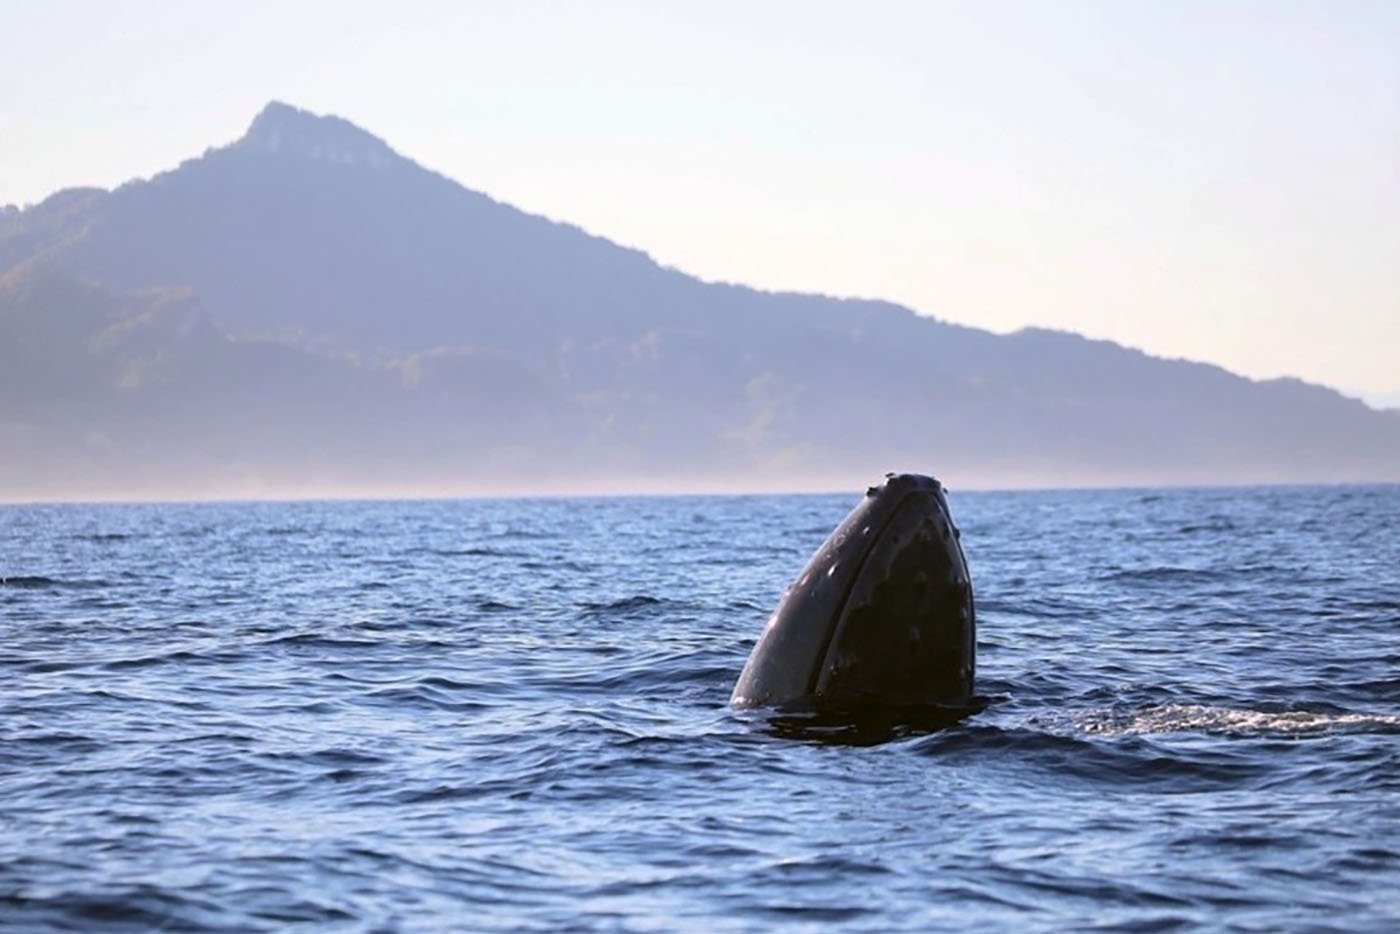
882 614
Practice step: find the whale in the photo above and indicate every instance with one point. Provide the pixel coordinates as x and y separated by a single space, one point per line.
882 615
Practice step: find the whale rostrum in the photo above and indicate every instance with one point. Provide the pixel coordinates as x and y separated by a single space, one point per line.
882 614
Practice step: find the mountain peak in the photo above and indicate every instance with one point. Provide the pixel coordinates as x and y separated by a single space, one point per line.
282 128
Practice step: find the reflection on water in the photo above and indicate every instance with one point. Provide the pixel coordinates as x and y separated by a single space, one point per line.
868 724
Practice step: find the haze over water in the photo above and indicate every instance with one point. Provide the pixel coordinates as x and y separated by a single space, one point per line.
512 714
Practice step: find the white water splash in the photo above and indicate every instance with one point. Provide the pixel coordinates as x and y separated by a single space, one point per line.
1183 718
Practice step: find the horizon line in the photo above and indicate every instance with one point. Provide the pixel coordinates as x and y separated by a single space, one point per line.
653 493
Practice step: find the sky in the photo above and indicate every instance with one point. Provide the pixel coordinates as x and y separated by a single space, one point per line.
1211 180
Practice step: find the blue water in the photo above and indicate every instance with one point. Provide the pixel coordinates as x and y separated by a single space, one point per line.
479 715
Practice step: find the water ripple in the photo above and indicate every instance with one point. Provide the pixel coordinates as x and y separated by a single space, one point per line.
511 715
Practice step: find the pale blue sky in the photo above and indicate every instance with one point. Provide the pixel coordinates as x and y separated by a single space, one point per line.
1219 181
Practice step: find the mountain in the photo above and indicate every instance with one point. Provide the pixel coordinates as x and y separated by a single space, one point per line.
305 310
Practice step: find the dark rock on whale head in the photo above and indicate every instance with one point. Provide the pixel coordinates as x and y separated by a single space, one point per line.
881 618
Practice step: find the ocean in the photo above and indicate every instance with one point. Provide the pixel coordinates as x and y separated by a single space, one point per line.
513 715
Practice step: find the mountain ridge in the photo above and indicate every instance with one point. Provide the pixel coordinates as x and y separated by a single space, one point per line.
318 136
310 245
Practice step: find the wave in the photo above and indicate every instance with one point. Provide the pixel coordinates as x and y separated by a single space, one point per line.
473 552
40 582
1175 574
1030 752
636 605
29 581
320 640
1203 718
1215 526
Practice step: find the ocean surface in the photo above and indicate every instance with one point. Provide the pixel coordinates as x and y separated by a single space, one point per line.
512 715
